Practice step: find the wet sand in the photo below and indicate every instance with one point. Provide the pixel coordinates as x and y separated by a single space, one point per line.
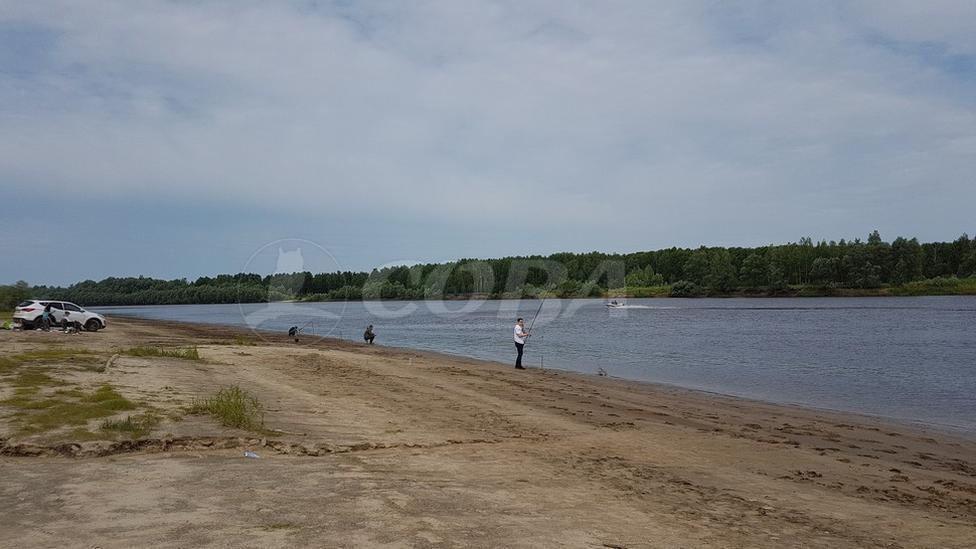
387 447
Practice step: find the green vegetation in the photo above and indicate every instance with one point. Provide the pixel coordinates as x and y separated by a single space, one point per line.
240 340
54 355
280 526
872 267
34 378
25 399
239 288
10 296
7 364
663 290
134 426
42 402
244 341
684 288
189 353
938 286
28 370
38 413
79 358
109 398
80 434
233 407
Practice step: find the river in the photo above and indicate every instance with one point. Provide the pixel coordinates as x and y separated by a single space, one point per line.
909 359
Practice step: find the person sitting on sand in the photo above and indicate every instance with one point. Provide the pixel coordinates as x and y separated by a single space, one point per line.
368 335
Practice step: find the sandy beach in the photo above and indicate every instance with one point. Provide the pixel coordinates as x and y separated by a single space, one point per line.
366 446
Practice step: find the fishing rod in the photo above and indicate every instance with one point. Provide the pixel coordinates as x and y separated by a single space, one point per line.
541 303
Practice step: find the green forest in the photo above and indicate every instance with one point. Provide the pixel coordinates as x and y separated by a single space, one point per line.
805 268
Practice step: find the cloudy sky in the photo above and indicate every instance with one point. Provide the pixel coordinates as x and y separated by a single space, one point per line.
176 138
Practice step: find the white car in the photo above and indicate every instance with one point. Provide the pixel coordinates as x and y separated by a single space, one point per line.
29 313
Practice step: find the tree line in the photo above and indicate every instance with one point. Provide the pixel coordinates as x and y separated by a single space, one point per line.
782 269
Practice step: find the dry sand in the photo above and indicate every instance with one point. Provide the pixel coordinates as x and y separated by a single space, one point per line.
396 448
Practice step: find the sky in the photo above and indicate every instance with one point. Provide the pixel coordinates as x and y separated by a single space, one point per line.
180 138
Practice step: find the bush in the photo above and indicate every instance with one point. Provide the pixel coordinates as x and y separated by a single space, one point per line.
136 427
569 288
233 407
643 278
190 353
684 288
938 286
595 290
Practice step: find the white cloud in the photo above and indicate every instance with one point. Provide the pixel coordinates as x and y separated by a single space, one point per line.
629 116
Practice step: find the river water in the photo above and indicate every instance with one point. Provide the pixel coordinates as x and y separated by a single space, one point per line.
910 359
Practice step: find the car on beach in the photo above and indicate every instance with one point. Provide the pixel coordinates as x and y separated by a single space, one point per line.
29 313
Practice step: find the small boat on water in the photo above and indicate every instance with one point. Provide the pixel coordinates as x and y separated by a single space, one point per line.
622 305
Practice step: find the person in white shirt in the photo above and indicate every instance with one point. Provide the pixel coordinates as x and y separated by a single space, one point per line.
520 336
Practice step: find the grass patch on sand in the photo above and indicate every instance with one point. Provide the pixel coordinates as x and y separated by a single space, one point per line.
107 397
53 355
73 393
239 340
41 402
25 398
81 434
35 378
9 364
188 353
279 526
245 341
232 407
28 384
37 413
134 426
78 434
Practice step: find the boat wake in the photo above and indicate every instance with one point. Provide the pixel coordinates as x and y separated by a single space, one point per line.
615 307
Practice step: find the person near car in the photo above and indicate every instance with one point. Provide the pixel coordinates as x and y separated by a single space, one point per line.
46 318
31 313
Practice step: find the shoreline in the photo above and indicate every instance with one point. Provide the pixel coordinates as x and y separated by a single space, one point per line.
382 446
947 429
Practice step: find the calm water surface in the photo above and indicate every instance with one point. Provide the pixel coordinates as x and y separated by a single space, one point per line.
911 359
